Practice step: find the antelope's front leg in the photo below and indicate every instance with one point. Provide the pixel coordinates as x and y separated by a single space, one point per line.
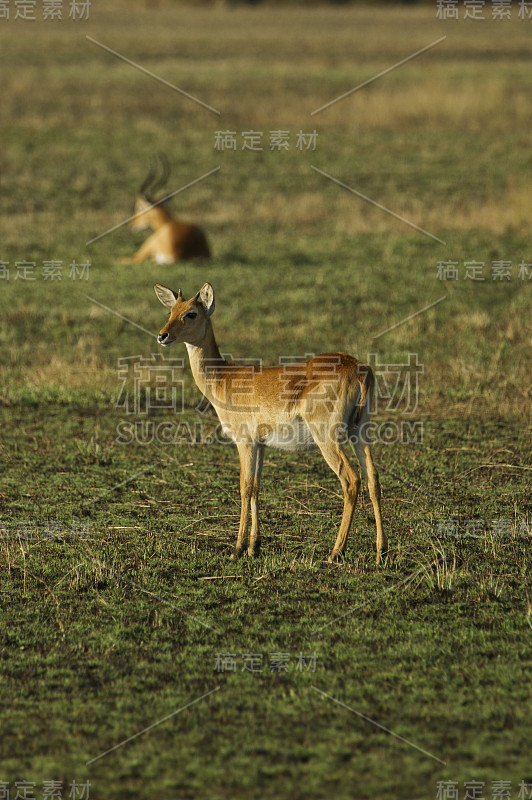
145 252
245 452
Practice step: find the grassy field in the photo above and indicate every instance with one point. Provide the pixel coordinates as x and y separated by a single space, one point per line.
121 613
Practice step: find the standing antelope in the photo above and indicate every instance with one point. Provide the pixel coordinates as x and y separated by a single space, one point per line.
293 407
171 240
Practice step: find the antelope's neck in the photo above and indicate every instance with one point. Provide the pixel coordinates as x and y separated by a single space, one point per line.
159 216
204 358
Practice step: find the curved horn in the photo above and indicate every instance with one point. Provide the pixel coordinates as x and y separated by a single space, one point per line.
160 182
149 177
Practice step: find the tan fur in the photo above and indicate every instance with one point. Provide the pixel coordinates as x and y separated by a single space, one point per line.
170 241
293 407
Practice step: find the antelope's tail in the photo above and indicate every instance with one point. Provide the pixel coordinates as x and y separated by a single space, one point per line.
359 418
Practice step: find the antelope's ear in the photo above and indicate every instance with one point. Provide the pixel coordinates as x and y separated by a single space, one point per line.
166 296
206 298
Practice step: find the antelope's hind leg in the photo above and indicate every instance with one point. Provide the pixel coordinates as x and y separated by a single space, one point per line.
341 466
257 462
363 452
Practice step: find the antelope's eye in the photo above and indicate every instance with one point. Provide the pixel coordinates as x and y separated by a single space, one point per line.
191 315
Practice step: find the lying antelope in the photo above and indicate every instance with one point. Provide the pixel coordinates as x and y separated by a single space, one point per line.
171 240
292 407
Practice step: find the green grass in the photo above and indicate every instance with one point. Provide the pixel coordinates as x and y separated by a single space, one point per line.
117 593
